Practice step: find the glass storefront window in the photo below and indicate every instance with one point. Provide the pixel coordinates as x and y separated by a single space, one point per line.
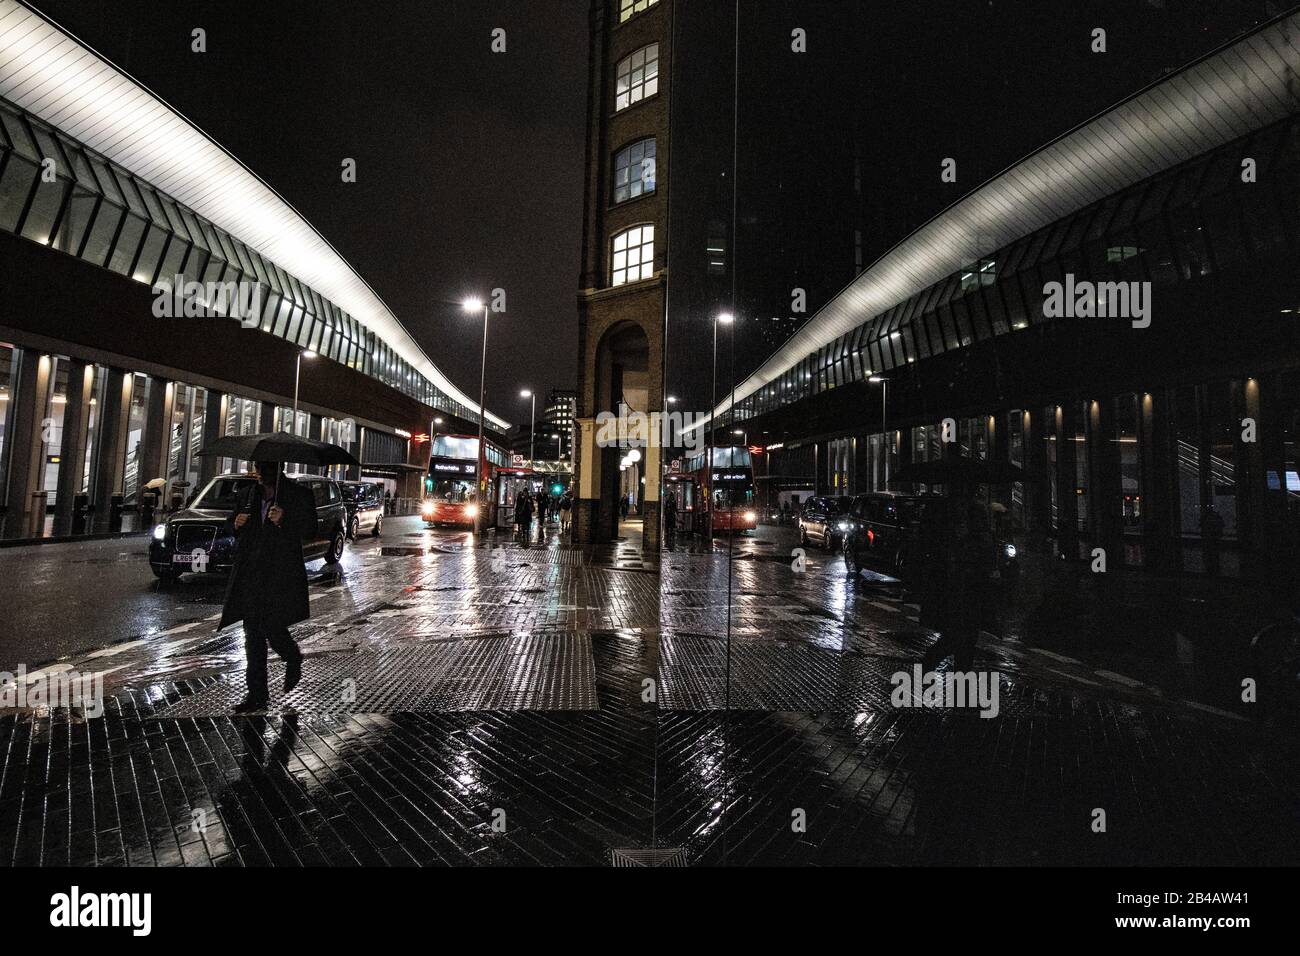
132 480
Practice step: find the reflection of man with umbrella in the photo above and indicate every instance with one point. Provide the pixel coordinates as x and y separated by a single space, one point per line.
268 588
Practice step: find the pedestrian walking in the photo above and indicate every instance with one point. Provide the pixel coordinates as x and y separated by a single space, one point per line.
624 504
566 511
268 588
543 509
967 602
670 513
524 512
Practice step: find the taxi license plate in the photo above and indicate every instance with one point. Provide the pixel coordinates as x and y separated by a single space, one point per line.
187 558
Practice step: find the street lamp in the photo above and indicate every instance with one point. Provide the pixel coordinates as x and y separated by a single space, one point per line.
532 424
884 432
722 318
473 305
297 373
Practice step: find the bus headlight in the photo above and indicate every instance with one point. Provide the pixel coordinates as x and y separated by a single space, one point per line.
427 509
471 511
160 532
751 516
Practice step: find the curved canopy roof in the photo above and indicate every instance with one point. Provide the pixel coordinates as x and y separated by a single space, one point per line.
55 76
1242 87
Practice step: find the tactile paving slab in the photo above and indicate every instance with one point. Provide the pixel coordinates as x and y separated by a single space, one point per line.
789 676
510 673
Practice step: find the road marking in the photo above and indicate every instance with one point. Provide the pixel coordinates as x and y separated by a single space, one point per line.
1059 657
885 607
115 649
1073 677
1213 710
1120 678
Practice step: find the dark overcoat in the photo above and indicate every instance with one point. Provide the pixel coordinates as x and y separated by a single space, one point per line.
269 581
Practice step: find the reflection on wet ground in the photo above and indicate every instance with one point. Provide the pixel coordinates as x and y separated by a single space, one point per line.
518 703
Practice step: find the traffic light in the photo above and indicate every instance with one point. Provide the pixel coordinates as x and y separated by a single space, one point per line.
428 486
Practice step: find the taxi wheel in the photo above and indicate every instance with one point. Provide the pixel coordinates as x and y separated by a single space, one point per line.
378 521
353 527
336 547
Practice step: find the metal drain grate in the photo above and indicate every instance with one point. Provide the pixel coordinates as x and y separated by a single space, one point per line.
668 856
546 672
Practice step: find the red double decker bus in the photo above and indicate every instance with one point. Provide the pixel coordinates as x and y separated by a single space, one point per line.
725 496
450 489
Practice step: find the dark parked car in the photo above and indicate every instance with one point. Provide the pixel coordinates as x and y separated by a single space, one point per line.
884 530
364 501
201 536
824 519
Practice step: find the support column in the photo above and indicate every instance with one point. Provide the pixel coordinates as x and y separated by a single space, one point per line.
1038 504
112 426
27 448
1250 481
586 512
76 435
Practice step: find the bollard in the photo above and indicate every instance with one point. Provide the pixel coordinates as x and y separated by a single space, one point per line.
36 517
80 513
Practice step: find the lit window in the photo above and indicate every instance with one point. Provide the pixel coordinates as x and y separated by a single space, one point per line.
638 77
628 7
634 170
634 255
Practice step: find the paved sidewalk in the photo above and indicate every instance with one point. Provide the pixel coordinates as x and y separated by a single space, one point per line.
519 704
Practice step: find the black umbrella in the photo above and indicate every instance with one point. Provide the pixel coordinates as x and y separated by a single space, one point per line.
960 471
279 447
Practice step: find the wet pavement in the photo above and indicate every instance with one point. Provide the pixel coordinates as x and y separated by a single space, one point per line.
502 702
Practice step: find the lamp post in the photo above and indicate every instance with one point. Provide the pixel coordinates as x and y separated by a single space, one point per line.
884 433
723 318
297 374
532 424
473 305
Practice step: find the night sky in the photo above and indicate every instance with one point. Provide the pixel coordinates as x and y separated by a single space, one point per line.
470 164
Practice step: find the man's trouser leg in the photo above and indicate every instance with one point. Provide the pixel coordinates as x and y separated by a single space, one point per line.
255 651
283 644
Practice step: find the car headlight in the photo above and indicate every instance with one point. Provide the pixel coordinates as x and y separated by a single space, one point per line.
750 516
471 511
843 526
160 532
1010 550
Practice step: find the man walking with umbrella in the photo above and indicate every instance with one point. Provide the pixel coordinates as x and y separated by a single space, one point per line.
268 589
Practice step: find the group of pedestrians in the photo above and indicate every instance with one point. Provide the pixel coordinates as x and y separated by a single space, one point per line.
546 508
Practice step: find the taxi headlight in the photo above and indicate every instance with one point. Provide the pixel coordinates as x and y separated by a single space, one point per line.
1010 550
160 532
843 526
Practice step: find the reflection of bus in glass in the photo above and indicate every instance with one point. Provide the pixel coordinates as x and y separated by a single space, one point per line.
450 494
728 490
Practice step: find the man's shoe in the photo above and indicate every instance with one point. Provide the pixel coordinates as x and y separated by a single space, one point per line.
293 673
251 704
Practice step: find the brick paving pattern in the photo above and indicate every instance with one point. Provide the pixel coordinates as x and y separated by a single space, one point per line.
521 705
